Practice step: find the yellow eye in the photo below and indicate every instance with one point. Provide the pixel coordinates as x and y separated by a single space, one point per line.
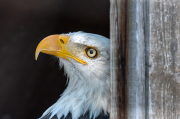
91 52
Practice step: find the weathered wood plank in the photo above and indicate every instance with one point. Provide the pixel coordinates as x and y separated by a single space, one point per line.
136 60
146 39
127 59
118 58
163 62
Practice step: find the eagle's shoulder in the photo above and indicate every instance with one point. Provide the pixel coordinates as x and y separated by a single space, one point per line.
69 116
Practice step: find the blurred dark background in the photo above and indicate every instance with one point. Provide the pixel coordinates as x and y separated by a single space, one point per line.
29 87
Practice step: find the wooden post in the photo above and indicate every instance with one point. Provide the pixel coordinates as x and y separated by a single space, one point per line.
118 58
163 60
145 59
127 59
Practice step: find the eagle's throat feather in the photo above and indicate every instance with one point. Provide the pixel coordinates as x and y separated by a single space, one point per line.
81 95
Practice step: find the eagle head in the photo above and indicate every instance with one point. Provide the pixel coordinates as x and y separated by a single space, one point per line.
85 58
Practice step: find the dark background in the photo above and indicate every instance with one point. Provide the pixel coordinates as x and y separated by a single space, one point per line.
29 87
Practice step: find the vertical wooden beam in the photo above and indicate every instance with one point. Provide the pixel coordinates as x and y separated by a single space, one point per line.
127 59
136 60
145 59
118 19
163 62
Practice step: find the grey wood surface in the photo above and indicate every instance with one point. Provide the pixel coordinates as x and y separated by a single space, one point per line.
127 59
136 59
117 59
145 59
114 109
163 70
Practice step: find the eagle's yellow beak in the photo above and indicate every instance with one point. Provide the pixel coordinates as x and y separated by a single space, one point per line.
56 45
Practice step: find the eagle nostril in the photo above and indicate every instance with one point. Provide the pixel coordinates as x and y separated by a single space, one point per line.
61 41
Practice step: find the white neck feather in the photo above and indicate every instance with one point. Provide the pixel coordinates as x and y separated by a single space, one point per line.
81 95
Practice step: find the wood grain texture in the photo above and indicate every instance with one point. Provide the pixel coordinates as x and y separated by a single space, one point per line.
115 94
145 59
127 59
116 72
118 57
136 60
163 62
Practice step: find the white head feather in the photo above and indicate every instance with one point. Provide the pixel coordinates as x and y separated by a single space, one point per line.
89 85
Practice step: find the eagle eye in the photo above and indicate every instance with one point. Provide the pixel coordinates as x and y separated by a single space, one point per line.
91 52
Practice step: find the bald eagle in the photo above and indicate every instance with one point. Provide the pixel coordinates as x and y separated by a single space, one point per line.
85 58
